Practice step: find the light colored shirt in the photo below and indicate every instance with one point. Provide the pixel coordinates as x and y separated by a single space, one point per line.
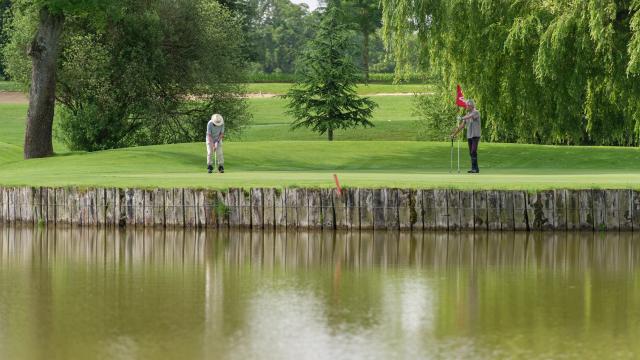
474 125
214 131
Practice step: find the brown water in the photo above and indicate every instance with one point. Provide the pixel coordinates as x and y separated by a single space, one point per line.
88 294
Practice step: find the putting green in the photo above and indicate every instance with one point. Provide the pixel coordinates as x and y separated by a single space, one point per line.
312 163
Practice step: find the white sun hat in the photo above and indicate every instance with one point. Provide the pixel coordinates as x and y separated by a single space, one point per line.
217 119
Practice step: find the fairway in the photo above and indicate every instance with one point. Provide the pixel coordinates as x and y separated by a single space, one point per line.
393 119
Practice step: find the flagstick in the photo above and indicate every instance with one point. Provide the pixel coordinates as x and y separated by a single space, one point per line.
460 101
451 161
458 155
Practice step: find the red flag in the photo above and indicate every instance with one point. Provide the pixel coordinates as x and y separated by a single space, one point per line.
460 98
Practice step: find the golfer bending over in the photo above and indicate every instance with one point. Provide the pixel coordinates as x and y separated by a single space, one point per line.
473 124
215 134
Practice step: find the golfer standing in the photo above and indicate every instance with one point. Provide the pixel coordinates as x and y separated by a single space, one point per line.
215 134
473 124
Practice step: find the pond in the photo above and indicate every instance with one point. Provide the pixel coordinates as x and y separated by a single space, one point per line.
114 294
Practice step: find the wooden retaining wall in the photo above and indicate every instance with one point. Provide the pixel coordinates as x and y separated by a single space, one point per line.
399 209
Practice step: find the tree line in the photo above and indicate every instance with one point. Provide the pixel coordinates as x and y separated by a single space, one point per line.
545 72
278 29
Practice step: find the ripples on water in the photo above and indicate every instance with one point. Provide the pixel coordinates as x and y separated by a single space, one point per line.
87 293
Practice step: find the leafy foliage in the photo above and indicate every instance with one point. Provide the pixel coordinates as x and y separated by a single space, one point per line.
367 17
19 25
149 72
281 29
325 98
437 113
558 72
4 10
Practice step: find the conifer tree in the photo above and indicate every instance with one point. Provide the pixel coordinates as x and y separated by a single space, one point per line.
325 99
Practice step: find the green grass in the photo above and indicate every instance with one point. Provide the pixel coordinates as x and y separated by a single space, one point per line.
10 86
9 153
12 118
312 163
390 109
12 122
362 89
394 131
393 120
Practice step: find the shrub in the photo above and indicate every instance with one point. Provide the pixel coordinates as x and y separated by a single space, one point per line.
437 114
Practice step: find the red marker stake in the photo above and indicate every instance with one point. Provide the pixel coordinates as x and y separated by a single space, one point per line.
335 177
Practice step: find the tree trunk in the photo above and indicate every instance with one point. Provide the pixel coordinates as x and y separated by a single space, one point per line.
330 134
365 56
42 95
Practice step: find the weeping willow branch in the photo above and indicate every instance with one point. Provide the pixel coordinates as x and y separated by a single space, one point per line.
542 71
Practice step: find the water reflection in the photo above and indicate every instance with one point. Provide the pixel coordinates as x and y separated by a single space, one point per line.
86 293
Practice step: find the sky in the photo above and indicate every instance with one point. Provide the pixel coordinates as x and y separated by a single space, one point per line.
313 4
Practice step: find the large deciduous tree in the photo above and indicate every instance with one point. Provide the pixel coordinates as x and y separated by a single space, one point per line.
44 48
281 30
556 72
43 51
246 12
366 15
146 72
325 98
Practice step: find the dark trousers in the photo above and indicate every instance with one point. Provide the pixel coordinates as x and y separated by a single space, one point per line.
473 152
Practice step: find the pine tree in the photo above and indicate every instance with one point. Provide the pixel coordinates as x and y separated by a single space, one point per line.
325 99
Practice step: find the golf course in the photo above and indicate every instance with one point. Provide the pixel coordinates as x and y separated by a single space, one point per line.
303 179
270 154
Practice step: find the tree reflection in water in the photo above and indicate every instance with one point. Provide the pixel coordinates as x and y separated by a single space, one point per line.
77 293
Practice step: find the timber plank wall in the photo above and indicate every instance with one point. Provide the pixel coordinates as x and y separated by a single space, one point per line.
355 209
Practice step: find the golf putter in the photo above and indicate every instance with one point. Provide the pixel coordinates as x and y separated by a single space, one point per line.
215 159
